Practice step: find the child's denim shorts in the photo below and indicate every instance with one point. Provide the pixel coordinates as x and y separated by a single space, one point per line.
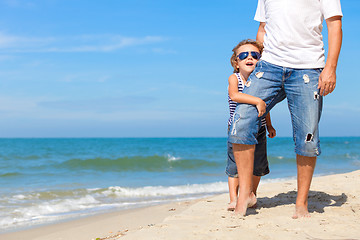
261 164
272 84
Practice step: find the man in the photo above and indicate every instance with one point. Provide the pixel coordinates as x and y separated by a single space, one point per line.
292 66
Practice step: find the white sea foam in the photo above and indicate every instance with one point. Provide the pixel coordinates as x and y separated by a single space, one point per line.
30 210
172 158
44 211
19 196
150 191
272 180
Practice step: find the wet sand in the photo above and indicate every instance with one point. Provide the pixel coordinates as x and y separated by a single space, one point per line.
334 205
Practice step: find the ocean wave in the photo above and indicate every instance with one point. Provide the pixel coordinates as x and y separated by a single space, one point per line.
44 211
138 163
172 158
152 191
119 192
49 195
34 208
10 174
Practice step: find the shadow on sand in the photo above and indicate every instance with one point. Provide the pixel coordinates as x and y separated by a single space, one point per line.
317 200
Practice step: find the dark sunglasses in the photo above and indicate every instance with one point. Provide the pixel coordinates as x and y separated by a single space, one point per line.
244 55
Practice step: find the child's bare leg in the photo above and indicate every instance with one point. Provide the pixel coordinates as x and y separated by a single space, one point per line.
233 192
244 158
256 181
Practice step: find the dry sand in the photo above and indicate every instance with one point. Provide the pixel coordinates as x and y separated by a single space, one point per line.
334 204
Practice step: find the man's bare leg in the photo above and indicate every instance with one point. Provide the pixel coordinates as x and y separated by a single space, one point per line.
233 192
305 171
244 158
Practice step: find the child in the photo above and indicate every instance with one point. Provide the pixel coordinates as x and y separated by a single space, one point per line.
245 56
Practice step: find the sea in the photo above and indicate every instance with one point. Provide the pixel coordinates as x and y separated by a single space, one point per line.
45 180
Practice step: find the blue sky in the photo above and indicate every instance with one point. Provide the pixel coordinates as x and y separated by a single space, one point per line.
129 68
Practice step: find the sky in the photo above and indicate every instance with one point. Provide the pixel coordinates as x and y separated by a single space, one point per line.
136 68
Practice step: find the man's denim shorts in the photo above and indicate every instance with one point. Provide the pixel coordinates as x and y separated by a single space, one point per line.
273 83
261 164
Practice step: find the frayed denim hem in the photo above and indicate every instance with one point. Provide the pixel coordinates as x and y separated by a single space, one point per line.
315 153
232 175
236 140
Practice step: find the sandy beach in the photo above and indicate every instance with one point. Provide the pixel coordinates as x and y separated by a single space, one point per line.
334 204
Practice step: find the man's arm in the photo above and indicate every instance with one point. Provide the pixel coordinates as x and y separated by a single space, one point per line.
261 33
327 79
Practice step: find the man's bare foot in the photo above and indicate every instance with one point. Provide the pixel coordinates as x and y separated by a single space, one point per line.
231 206
301 212
242 206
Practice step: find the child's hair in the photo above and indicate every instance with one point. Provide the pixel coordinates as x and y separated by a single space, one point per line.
243 42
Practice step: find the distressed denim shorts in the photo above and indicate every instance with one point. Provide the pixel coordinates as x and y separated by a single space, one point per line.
274 83
261 164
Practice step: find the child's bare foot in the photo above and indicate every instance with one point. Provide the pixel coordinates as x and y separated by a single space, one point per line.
231 206
253 206
301 212
252 201
242 206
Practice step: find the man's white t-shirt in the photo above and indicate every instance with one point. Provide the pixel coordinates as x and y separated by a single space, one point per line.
293 31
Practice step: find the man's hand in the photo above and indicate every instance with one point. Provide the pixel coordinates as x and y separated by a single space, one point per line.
327 81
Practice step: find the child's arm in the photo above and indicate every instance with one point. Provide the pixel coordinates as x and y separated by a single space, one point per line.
271 130
238 97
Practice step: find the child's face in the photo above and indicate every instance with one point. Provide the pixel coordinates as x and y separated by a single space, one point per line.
247 65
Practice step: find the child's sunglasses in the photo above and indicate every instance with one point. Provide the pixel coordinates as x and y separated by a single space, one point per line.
244 55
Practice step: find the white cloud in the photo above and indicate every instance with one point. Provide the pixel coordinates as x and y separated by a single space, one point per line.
17 42
82 43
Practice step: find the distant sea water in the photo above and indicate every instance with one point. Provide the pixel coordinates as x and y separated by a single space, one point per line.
47 180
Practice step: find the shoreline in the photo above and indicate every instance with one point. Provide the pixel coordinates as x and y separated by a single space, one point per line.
98 225
334 205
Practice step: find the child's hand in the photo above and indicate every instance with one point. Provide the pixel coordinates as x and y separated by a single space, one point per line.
271 131
261 107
